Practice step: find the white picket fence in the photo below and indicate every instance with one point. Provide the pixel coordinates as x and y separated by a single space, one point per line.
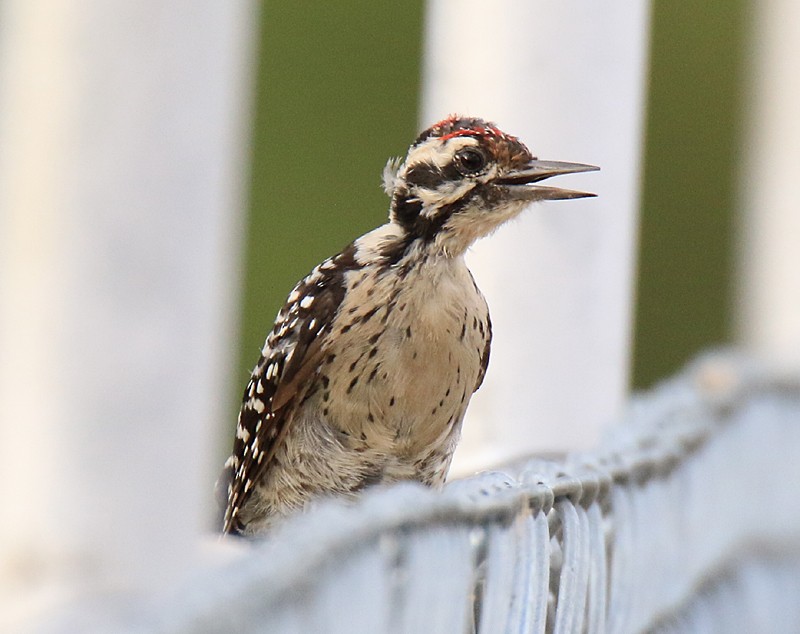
686 519
121 163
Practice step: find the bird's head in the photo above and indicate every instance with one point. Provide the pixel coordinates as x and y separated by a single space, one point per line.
462 178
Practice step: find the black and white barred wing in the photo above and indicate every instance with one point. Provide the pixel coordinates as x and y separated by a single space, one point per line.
291 356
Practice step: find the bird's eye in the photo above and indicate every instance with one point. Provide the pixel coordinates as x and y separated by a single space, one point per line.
470 160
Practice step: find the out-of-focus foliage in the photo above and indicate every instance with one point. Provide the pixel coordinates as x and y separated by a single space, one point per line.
693 132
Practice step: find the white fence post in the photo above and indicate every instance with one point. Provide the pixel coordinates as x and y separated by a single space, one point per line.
121 138
567 77
768 308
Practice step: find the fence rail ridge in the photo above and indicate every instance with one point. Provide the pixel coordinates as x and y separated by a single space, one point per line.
629 537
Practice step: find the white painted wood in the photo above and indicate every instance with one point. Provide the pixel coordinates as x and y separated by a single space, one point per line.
568 78
768 307
654 530
121 154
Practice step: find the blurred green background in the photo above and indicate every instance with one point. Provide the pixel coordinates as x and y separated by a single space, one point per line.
337 95
692 141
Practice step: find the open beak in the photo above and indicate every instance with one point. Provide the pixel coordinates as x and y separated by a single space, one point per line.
521 183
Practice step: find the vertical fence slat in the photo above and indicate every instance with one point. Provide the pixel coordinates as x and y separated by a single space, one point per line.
598 579
502 549
439 582
121 149
540 572
768 310
575 567
568 79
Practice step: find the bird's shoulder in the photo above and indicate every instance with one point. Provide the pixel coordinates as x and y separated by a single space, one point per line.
291 355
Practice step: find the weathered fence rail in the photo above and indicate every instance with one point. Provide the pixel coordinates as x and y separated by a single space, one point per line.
685 519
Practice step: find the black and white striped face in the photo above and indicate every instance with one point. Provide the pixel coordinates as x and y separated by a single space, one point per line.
462 178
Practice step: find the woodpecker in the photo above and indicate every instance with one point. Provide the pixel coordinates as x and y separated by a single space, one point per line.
371 363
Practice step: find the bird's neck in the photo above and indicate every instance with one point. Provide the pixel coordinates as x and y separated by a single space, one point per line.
393 245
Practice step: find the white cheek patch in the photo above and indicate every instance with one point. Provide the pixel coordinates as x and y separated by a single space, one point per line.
434 152
449 193
438 153
433 199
